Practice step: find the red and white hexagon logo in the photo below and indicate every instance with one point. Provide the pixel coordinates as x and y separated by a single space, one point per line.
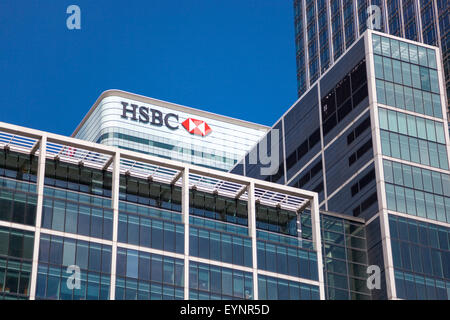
195 126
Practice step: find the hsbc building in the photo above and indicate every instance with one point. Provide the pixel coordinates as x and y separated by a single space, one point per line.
137 123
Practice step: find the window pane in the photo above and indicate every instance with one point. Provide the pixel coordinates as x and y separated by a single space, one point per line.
409 99
404 51
406 74
413 57
416 77
434 81
428 104
381 97
387 68
425 79
399 98
378 60
437 109
418 101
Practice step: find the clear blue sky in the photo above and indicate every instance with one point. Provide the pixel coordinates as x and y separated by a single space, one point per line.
233 57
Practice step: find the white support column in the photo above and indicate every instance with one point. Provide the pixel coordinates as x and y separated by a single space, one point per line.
378 162
419 30
40 202
185 213
252 234
115 207
317 242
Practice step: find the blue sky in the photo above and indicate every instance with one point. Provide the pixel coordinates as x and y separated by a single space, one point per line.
232 57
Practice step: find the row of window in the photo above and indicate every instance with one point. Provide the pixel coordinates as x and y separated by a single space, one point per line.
16 185
287 260
16 243
302 241
335 243
152 193
361 183
412 126
270 288
415 287
131 289
303 149
345 258
55 283
77 218
362 127
14 277
222 283
218 225
404 51
347 87
365 204
77 197
78 178
343 226
415 100
276 220
17 206
417 178
346 268
151 233
149 267
171 147
417 203
407 74
64 252
415 150
18 166
333 110
419 233
147 211
355 156
420 260
218 207
346 283
219 246
306 177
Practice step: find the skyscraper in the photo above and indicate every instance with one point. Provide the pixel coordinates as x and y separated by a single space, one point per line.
325 29
371 137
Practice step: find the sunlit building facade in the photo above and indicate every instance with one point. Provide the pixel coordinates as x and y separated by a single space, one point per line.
325 29
80 220
371 137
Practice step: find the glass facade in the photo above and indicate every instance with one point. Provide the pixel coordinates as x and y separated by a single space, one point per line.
56 254
279 289
345 259
208 282
341 22
421 259
410 130
16 255
417 191
149 257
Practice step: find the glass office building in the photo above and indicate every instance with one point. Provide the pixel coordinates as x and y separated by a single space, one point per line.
325 29
167 130
371 137
80 220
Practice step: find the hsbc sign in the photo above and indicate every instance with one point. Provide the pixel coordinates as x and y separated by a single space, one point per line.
156 118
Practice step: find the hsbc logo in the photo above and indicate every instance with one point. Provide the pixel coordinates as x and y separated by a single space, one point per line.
156 118
199 127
